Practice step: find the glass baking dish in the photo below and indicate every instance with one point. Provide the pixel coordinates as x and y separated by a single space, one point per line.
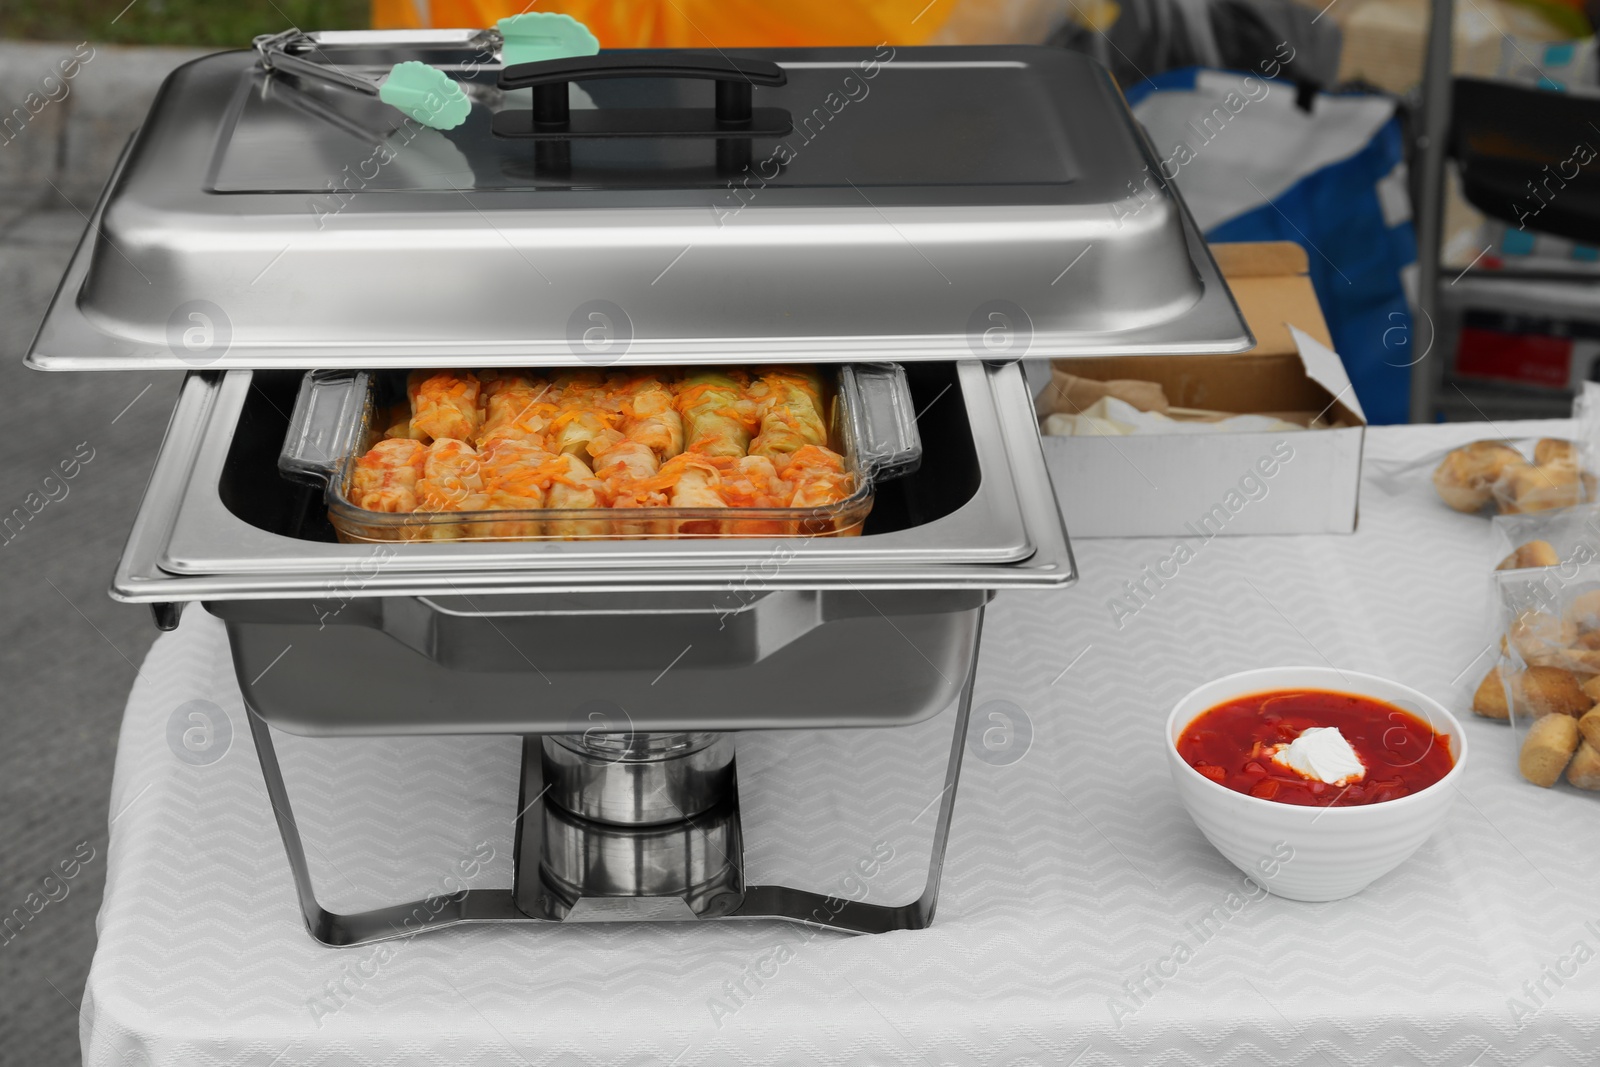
338 416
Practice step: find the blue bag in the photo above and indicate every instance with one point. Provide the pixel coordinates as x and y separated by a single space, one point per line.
1253 165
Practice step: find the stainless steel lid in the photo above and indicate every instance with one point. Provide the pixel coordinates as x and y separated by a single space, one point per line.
931 203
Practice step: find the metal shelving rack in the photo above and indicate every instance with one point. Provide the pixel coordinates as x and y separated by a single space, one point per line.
1441 306
1431 145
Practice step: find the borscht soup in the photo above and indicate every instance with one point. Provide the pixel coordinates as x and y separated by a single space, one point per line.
1315 747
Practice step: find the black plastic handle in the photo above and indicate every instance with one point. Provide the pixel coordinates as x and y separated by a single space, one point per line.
735 76
625 64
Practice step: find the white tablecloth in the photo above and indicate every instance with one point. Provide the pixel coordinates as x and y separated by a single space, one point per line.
1070 871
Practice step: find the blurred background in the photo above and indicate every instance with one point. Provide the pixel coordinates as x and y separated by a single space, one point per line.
1473 254
197 23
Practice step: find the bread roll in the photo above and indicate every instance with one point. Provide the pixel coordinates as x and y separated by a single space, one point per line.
1532 554
1583 612
1541 691
1540 638
1591 689
1583 662
1547 487
1554 450
1589 726
1466 477
1584 771
1548 746
1490 699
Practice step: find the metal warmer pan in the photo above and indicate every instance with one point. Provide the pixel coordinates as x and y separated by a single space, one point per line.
513 637
218 521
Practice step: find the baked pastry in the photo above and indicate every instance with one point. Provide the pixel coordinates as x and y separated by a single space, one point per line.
1541 639
1466 477
1536 692
1543 488
1490 699
1541 691
1584 770
1547 748
1532 554
1554 450
1583 611
1591 689
1589 726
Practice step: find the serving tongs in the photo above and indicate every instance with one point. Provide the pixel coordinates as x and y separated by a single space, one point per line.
427 94
424 92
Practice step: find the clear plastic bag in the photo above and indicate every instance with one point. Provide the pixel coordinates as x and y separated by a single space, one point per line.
1546 682
1511 476
1565 538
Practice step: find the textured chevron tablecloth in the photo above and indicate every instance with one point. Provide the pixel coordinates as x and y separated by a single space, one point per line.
1073 874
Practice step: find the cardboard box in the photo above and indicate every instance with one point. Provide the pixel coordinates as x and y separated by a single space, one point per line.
1200 486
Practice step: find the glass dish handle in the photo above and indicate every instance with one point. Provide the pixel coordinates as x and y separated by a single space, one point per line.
882 418
324 426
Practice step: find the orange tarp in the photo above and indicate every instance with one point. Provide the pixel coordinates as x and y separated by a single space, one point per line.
697 23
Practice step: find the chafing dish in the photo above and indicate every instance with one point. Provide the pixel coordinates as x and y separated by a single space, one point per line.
943 210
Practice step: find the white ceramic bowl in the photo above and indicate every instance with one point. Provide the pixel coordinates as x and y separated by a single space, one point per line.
1313 853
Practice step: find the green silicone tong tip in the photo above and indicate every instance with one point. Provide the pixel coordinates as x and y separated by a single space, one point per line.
534 36
427 94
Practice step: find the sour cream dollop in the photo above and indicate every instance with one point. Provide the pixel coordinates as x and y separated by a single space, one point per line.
1321 753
